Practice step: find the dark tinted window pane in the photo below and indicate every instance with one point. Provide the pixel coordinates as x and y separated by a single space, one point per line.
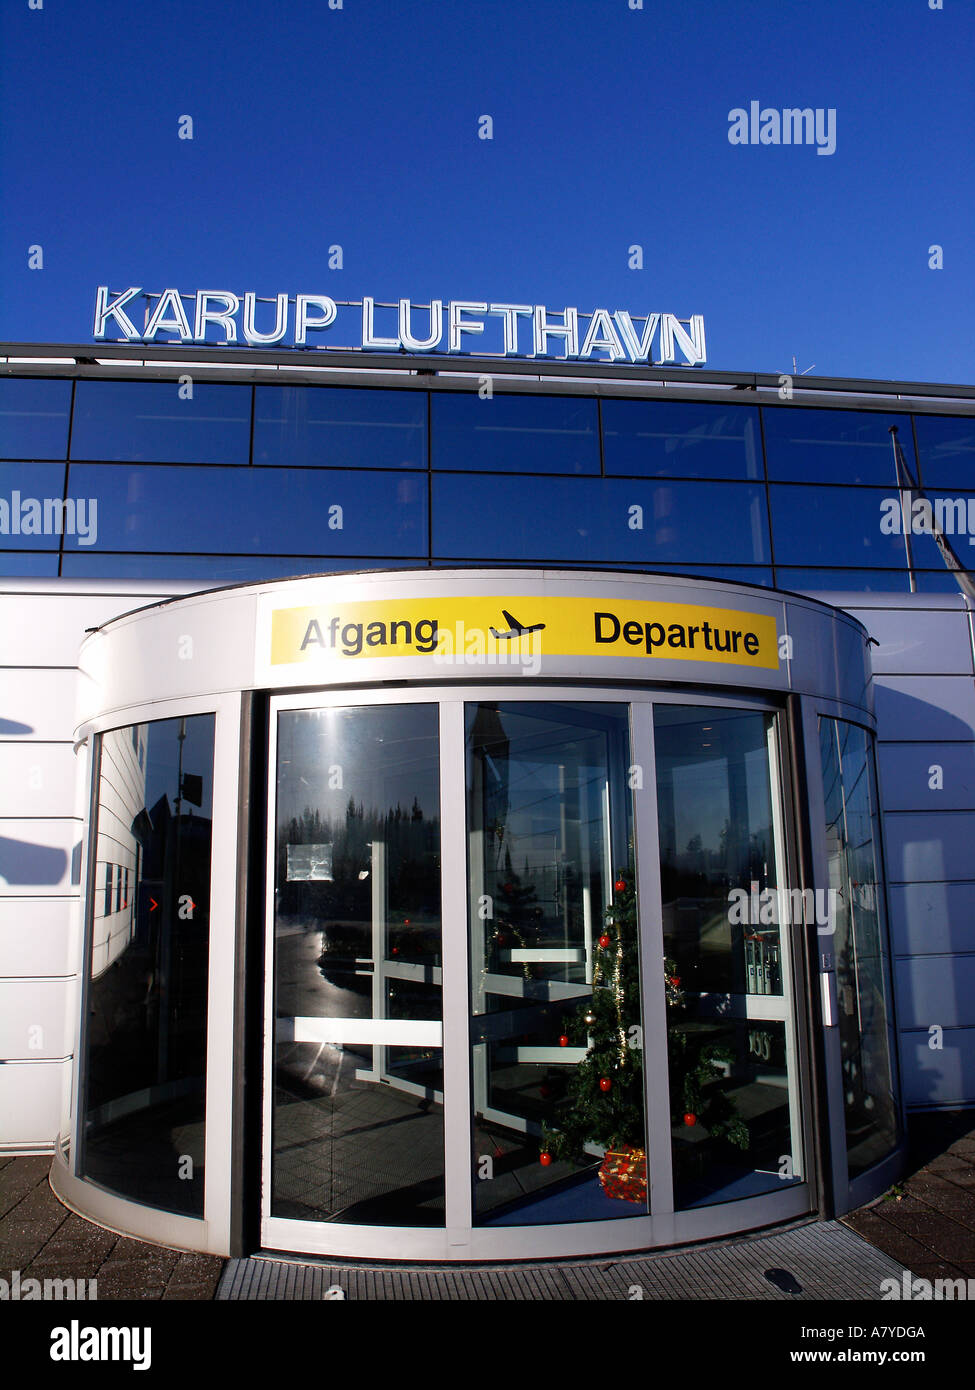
339 428
32 512
255 510
936 581
215 569
950 515
843 581
677 439
740 574
946 445
147 996
151 422
515 434
34 418
832 526
835 446
579 520
28 563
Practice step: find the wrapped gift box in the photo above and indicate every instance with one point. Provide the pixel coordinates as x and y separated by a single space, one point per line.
623 1174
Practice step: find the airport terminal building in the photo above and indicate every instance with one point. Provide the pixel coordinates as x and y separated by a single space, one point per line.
464 808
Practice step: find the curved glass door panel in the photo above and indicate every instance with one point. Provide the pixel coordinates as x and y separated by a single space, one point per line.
859 943
733 1085
357 1115
144 1096
557 1063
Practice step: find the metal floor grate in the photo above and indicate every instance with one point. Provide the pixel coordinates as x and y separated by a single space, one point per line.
827 1260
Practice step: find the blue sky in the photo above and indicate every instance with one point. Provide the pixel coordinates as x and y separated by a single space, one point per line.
359 127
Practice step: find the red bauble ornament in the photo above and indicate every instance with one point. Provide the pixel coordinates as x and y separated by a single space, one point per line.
620 885
563 1041
545 1159
544 1091
690 1118
605 1084
604 941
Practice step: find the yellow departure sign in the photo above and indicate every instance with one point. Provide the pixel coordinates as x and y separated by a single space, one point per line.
495 627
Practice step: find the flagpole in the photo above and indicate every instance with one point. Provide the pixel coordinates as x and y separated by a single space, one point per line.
904 483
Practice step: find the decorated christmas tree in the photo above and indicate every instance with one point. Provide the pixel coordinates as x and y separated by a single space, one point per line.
603 1107
604 1098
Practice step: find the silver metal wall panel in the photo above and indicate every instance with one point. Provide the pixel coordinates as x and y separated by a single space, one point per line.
928 777
925 707
939 1077
936 990
934 847
918 641
932 918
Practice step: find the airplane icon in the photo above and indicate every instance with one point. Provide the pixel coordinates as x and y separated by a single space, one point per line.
515 628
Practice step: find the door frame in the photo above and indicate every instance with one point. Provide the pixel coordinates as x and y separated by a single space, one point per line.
458 1239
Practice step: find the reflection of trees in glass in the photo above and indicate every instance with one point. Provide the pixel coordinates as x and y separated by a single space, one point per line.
343 904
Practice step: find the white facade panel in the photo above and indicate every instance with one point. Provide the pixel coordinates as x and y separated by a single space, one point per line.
39 936
36 779
33 1016
31 1100
37 632
38 703
39 857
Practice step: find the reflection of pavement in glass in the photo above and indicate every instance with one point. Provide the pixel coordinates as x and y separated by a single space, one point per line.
142 1155
351 1150
302 990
